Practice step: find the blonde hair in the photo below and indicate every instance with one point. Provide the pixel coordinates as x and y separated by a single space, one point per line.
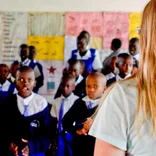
147 67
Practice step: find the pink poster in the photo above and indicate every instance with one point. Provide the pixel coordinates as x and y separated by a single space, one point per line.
89 21
116 25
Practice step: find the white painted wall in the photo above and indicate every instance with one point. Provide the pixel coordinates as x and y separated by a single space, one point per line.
73 5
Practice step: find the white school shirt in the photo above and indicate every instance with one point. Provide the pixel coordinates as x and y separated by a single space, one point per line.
36 103
118 78
137 56
5 86
88 100
27 62
115 122
80 78
96 63
110 76
69 101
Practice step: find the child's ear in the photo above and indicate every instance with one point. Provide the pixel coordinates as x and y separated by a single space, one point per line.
74 87
35 83
104 89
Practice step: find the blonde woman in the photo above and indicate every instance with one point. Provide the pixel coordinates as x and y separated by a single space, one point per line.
126 122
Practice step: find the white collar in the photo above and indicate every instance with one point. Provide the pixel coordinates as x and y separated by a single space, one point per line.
118 78
5 86
26 62
88 100
86 56
26 100
80 78
69 97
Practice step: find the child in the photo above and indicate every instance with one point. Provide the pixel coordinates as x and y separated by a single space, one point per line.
80 112
13 69
40 78
6 88
74 67
125 66
89 56
111 67
27 120
135 52
59 109
24 55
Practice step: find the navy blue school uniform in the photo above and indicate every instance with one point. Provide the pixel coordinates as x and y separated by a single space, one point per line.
39 79
36 127
91 59
60 107
80 89
72 121
6 90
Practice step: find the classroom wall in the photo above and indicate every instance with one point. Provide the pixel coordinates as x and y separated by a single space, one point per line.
72 5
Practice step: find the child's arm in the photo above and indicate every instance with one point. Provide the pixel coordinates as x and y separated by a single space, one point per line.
86 126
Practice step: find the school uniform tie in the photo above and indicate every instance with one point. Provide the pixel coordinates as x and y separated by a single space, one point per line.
25 113
90 105
61 112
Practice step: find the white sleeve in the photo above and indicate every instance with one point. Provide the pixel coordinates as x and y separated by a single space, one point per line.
110 124
37 71
53 111
97 62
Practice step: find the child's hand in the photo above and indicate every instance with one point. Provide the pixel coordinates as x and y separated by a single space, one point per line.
13 148
87 124
82 131
25 150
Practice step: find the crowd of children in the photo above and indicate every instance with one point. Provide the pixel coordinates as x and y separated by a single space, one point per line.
30 126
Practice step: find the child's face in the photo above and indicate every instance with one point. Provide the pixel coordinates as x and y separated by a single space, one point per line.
113 64
94 87
25 82
134 48
67 86
126 65
82 45
24 53
13 69
32 53
75 70
4 72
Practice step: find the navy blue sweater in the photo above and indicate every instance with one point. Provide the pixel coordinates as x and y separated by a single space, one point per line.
37 128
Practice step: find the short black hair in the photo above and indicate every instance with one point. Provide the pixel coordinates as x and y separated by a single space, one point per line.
84 32
4 65
32 47
116 43
23 46
25 68
134 39
67 76
81 37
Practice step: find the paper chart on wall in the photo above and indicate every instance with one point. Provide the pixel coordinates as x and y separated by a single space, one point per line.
1 36
52 74
70 44
134 23
116 26
46 24
48 48
14 33
89 21
95 43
